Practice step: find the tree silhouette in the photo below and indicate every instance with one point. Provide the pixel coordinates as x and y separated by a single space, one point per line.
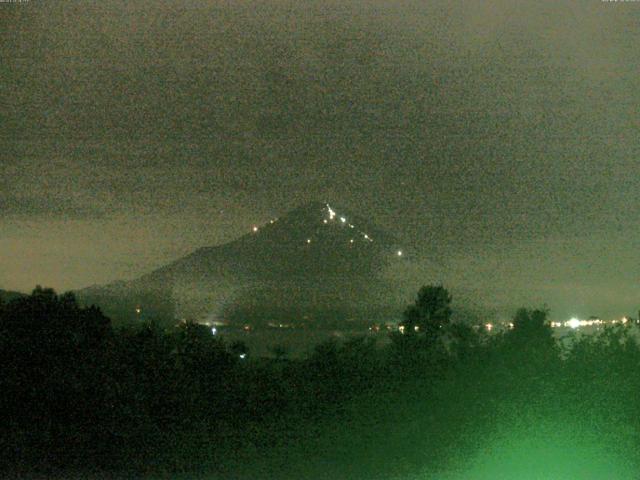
531 325
430 313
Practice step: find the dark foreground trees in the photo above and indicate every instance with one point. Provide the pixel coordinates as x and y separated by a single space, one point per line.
430 313
81 398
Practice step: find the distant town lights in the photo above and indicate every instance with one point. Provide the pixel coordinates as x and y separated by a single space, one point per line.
573 323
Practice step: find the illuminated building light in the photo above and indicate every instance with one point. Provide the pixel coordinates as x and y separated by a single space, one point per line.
511 325
243 356
138 310
489 326
366 236
401 328
343 220
351 226
416 328
573 323
214 330
255 229
325 221
331 212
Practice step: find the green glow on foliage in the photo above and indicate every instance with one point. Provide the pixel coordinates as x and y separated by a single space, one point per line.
546 452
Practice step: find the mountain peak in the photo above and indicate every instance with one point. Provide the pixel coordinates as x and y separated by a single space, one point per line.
316 257
318 221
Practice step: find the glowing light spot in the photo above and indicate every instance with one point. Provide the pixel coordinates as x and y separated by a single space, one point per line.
366 236
351 226
255 229
243 356
138 310
214 330
416 328
401 328
573 323
308 240
331 212
351 241
326 221
399 253
489 327
343 220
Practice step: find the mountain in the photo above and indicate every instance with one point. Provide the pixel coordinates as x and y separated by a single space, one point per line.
315 264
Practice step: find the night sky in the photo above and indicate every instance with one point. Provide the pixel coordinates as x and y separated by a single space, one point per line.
499 139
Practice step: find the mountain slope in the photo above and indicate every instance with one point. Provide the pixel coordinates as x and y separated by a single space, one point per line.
314 263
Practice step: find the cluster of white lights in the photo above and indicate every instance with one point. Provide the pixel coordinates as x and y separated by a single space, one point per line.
332 215
572 323
577 323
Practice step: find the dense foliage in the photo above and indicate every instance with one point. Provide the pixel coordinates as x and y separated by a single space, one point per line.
80 398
